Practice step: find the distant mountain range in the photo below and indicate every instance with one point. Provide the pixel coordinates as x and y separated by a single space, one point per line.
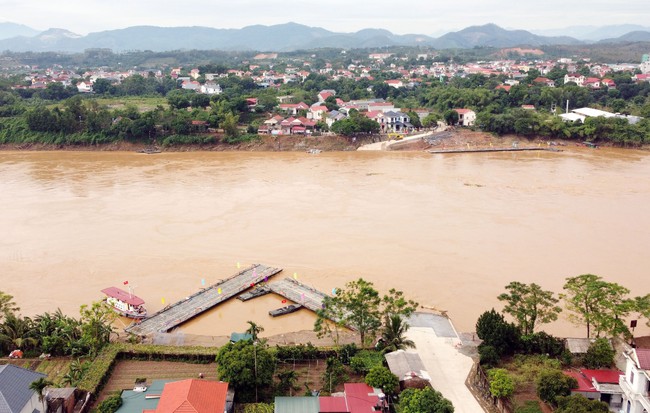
289 37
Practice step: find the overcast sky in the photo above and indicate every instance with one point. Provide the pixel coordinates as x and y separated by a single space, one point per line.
431 17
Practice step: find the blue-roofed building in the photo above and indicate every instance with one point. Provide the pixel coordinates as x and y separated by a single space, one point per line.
15 394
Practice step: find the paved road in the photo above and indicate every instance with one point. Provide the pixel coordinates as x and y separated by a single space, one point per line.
447 367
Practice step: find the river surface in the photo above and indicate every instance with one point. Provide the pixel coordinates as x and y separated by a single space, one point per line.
449 230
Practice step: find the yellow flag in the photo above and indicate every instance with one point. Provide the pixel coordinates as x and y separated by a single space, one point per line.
219 290
295 275
238 265
162 300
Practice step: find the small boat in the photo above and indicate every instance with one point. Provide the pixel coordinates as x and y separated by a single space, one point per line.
285 310
257 292
314 151
124 303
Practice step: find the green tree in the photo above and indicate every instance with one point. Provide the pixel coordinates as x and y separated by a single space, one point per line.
96 326
334 374
492 328
600 354
17 332
288 379
358 303
578 403
330 319
254 329
393 334
502 385
598 304
380 377
431 120
415 119
7 304
553 383
38 386
451 117
529 305
229 126
423 400
179 99
246 366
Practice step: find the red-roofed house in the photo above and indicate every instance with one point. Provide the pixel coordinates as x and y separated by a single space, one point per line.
599 385
324 94
503 87
192 396
641 77
396 83
466 117
317 112
609 83
636 381
544 81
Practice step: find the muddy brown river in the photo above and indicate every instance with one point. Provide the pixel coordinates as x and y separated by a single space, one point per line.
449 230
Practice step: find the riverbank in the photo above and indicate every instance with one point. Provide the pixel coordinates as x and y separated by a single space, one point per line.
456 138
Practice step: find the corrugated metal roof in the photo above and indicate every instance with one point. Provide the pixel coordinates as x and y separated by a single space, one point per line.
333 404
643 355
193 395
401 363
14 387
303 404
602 376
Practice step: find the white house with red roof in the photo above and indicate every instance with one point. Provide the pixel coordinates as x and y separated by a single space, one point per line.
635 383
85 86
317 112
466 117
324 94
293 108
576 78
641 77
601 385
396 83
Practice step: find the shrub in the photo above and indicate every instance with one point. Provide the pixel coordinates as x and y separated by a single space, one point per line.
347 352
599 354
365 361
552 384
110 404
542 343
501 383
489 357
382 378
492 328
579 403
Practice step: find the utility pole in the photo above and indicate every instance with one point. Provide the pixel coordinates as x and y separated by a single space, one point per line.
255 356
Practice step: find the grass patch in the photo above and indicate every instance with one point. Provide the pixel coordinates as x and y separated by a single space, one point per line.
144 104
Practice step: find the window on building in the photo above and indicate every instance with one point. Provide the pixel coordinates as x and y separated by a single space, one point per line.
631 377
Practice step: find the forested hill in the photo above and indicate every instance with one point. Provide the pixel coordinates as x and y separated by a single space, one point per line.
281 37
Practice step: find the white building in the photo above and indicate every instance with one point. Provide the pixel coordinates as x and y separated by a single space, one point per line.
636 381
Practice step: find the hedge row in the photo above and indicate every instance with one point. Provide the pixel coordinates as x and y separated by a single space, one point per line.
103 364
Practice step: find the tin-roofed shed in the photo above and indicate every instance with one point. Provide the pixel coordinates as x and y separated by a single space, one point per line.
296 404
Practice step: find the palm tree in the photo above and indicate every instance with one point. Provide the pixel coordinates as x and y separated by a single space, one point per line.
17 332
7 304
288 380
38 386
393 334
254 330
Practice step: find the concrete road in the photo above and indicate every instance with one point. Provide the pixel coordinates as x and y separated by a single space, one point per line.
447 367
